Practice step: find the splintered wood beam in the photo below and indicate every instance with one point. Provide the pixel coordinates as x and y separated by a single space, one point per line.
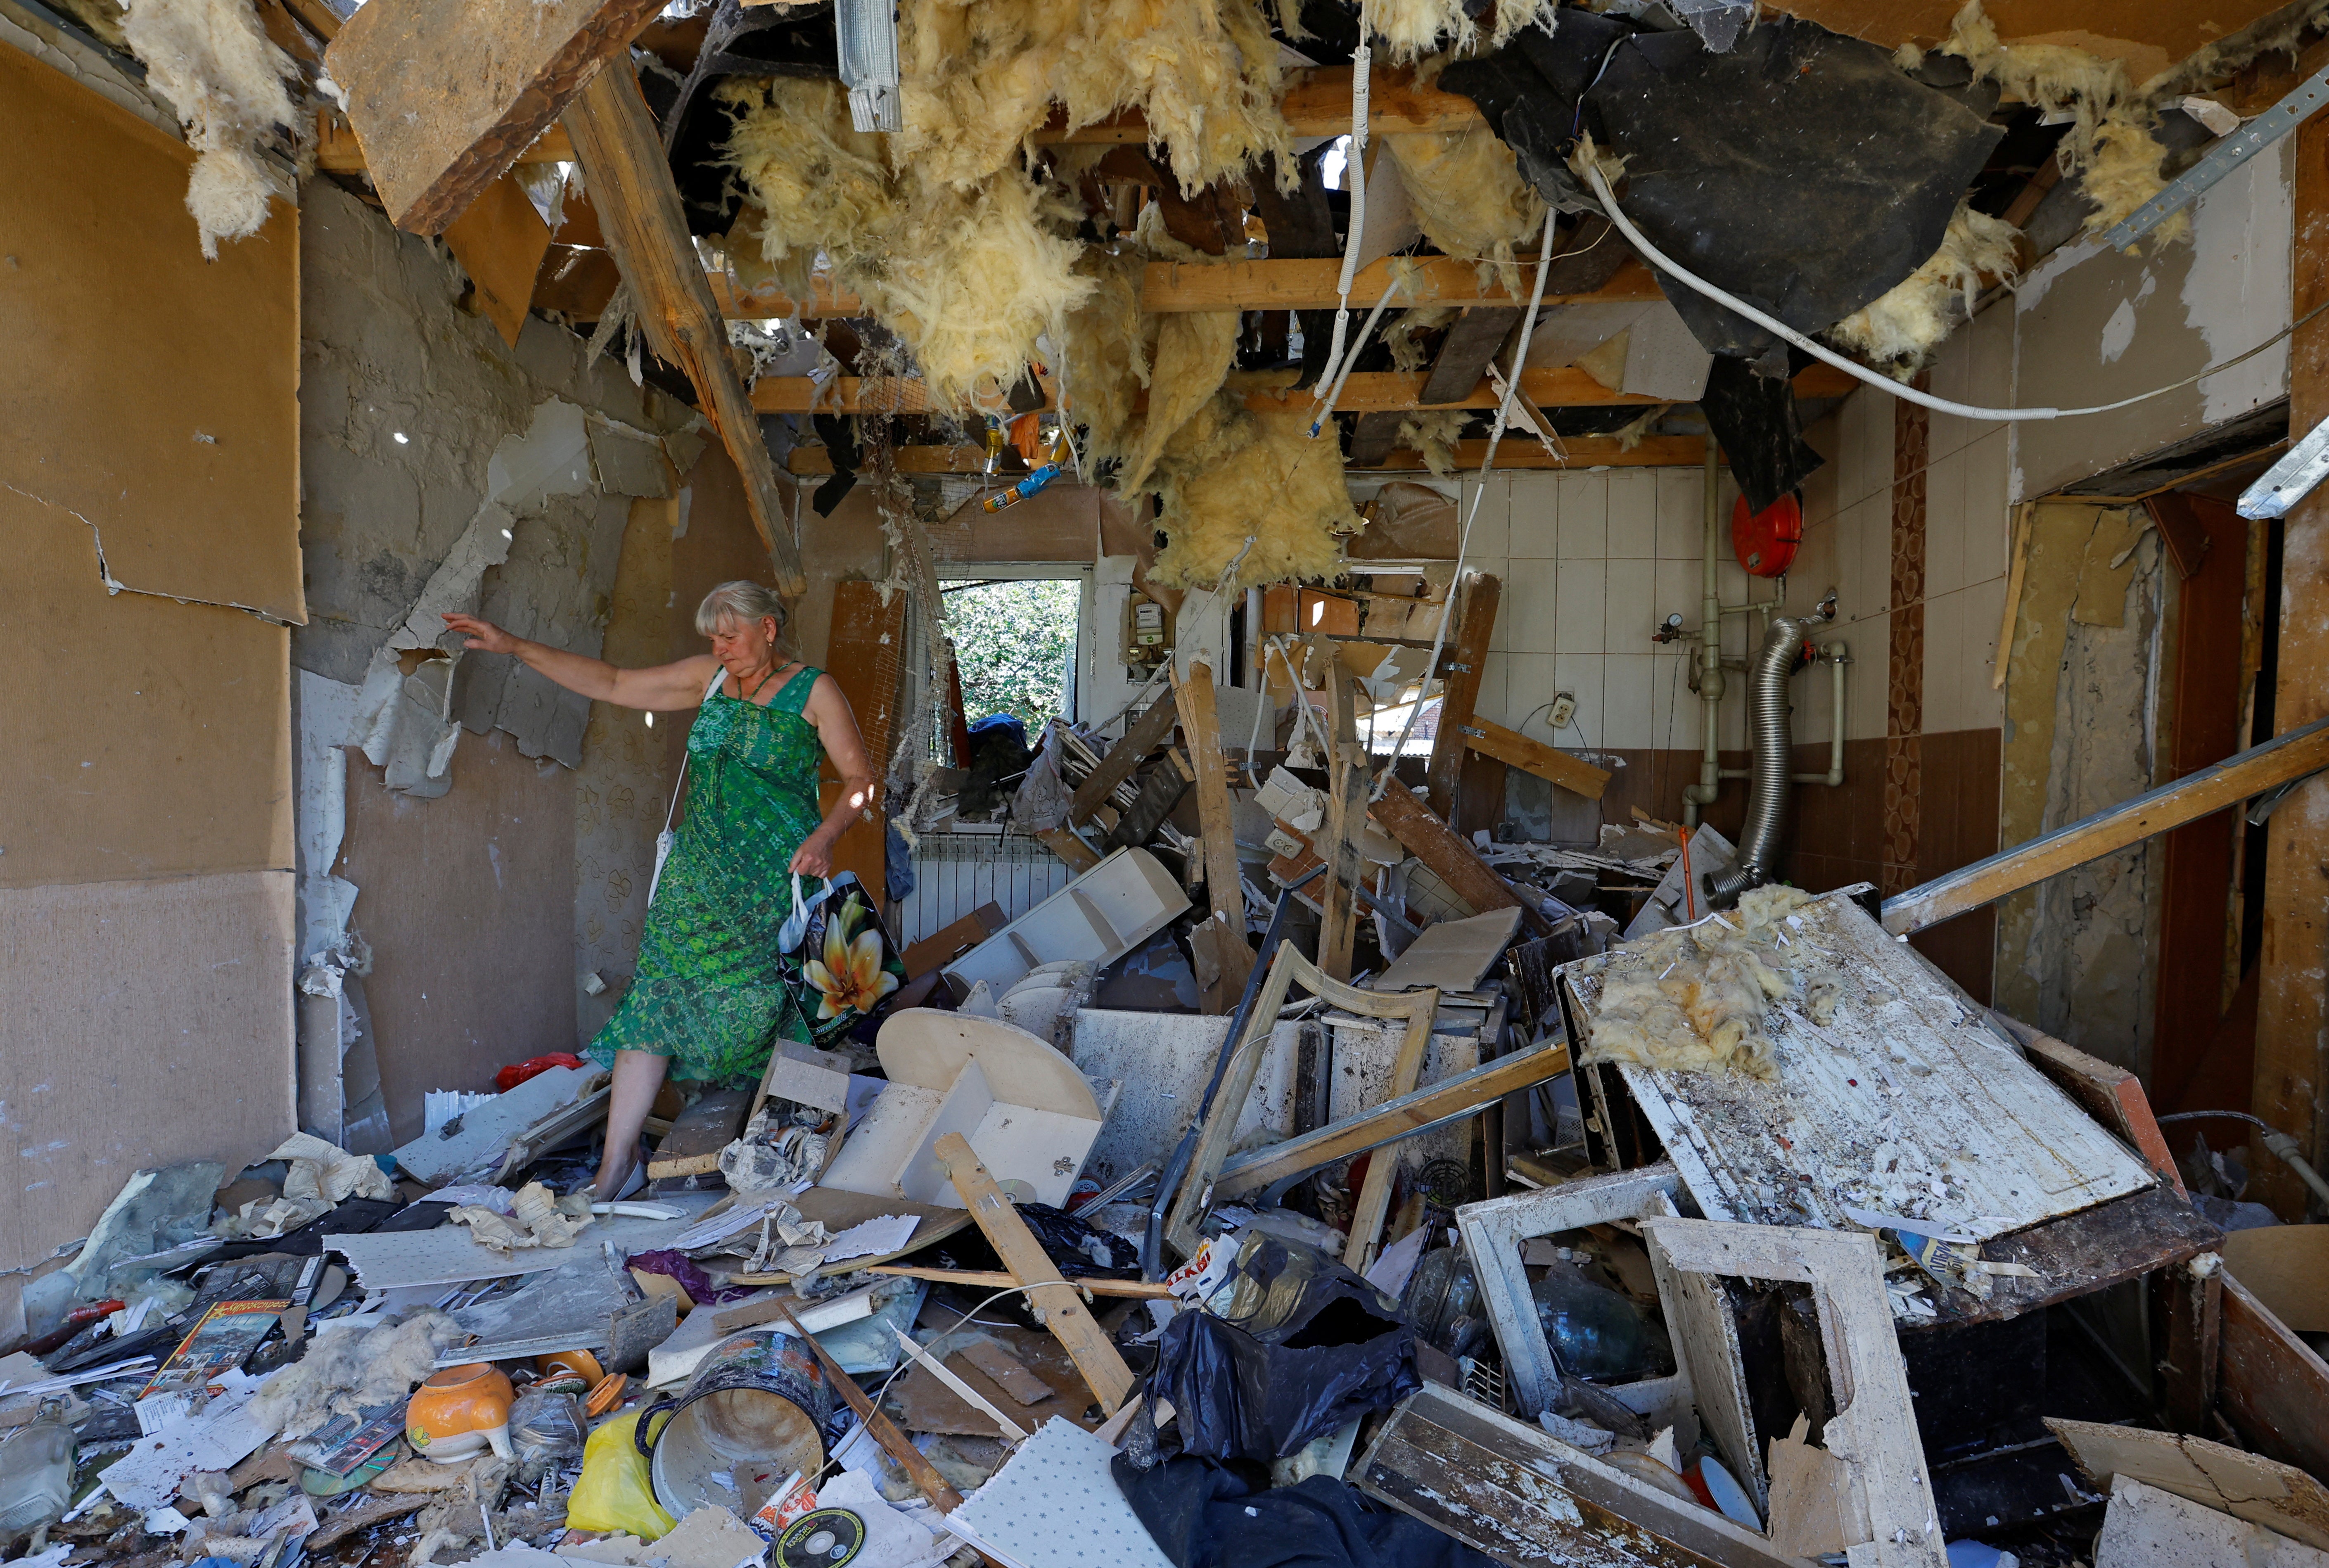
445 94
1472 341
2296 755
1548 763
1053 1300
638 207
1277 283
1450 856
1363 392
1194 700
1145 734
1460 672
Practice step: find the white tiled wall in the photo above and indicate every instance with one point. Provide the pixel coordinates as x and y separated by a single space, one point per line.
1848 541
1591 563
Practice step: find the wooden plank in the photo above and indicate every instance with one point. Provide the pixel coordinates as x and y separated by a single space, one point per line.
1524 1497
2292 755
934 1485
2194 1313
1144 736
444 95
1372 438
1078 856
1201 729
1460 671
502 243
1706 1342
1363 392
639 205
1471 343
2110 1094
2264 1491
865 655
1372 1200
2197 858
953 939
994 1279
1053 1302
1347 781
1550 763
2291 1072
1393 1118
2269 1385
1451 859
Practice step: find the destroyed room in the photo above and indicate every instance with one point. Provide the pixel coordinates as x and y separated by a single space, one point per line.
1164 784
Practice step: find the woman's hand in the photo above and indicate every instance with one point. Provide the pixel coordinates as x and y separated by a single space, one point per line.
815 856
484 635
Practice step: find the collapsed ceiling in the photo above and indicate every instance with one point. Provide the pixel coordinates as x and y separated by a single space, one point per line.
1001 261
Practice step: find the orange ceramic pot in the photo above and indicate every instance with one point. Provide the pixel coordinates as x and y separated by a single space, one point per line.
459 1412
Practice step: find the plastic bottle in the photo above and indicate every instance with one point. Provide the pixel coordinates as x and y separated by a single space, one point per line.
36 1474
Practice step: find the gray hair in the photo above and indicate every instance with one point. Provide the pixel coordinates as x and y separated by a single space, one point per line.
743 602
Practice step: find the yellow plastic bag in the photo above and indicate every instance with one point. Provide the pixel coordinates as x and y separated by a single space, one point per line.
615 1493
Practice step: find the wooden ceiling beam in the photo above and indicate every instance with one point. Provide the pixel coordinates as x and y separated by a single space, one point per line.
1290 283
1315 102
1584 452
638 208
1363 392
337 151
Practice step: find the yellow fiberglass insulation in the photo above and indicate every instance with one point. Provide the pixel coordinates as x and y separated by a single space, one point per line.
1469 195
1195 349
1412 28
1107 355
1694 998
1232 472
822 185
1434 433
215 65
1898 330
967 277
1403 337
971 279
979 77
2109 144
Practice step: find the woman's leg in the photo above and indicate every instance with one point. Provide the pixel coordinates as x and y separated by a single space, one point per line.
638 1074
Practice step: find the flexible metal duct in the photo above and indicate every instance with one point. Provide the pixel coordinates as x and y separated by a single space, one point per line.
1770 735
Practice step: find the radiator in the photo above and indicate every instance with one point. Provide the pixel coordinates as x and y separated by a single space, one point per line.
956 873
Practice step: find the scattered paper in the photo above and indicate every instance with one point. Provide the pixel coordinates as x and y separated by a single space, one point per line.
224 1435
872 1238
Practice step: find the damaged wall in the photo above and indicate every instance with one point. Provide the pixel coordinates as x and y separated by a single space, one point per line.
146 847
491 862
2094 325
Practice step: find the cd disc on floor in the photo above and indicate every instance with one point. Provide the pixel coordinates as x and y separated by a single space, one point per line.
821 1538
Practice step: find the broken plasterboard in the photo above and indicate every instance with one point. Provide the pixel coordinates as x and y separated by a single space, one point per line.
1708 854
1164 1060
2250 1486
1451 955
474 1139
1029 1115
2147 1527
1100 917
1905 1103
629 462
446 1256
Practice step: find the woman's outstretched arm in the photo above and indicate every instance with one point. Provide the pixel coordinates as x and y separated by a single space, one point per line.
836 726
662 689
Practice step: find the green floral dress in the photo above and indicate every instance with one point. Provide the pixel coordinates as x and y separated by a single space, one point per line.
713 991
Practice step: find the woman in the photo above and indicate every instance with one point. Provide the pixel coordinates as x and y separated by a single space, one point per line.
712 991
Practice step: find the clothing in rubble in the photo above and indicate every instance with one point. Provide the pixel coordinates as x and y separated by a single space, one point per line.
714 990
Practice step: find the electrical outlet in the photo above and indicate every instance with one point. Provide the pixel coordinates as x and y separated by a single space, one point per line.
1564 708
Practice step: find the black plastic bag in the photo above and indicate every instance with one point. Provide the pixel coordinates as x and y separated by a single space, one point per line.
1076 1249
1295 1346
1204 1515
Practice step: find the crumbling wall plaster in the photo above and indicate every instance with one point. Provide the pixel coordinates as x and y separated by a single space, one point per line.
2081 697
2092 325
